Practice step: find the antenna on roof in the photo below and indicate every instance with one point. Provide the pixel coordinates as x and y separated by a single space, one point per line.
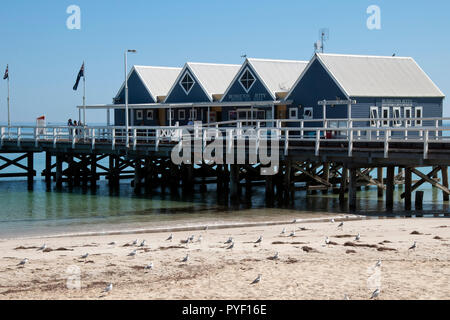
324 35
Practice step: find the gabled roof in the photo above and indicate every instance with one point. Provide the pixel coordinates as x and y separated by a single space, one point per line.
213 78
157 80
378 76
276 75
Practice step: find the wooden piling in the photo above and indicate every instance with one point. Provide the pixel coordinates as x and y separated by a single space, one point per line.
343 186
48 170
444 171
326 175
94 172
408 188
390 188
419 200
380 188
137 176
30 170
352 187
59 161
234 182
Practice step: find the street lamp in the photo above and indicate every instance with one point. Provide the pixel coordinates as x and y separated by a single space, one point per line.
126 97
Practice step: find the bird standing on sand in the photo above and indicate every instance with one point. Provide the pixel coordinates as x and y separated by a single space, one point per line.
332 220
259 239
185 259
276 256
135 242
149 266
346 297
142 243
108 288
327 240
294 221
292 234
231 246
378 264
132 253
84 256
112 243
199 239
358 236
414 246
23 262
375 294
283 231
206 228
230 240
170 237
44 246
341 225
191 238
258 279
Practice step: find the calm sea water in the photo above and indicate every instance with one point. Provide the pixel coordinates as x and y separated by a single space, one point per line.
24 213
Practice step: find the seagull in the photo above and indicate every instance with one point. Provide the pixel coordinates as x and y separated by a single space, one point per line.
21 263
230 240
170 237
112 243
332 220
200 238
346 297
108 288
292 234
142 243
84 256
375 294
231 246
185 259
327 240
275 257
283 231
341 225
378 264
206 228
258 279
191 238
135 242
132 253
413 247
259 239
294 221
358 236
149 266
44 246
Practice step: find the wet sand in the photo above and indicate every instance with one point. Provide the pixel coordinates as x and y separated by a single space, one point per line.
307 268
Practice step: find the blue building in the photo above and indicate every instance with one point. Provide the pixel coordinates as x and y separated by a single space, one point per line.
147 86
383 87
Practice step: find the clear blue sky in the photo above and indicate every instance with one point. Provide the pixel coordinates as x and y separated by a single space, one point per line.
44 56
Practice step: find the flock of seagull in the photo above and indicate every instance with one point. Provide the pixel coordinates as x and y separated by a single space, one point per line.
230 243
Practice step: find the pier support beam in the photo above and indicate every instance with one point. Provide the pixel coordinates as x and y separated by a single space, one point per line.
137 176
326 175
58 176
352 190
234 182
30 170
390 188
444 171
380 188
343 186
408 188
48 171
94 172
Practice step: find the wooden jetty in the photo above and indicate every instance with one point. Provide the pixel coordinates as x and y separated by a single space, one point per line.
312 157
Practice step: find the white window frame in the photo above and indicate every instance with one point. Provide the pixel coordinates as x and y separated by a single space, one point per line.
139 114
308 117
171 115
295 115
418 123
181 114
385 120
408 123
240 80
397 123
194 112
150 114
181 82
376 118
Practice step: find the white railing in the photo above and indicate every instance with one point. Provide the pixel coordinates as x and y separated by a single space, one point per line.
400 130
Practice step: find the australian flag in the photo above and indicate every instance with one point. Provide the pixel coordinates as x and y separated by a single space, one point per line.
80 74
6 76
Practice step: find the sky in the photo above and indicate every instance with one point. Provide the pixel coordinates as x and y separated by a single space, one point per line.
45 56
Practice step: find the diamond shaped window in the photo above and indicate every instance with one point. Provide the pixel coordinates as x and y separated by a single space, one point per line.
247 80
187 83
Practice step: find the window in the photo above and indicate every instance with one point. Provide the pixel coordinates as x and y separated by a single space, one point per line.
419 114
193 114
171 114
139 115
149 114
293 113
181 114
408 115
247 80
385 116
187 82
374 115
397 115
308 113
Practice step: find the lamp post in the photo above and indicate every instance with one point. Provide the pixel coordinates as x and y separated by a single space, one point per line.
126 98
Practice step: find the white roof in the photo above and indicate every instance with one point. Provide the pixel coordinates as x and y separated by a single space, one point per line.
278 75
375 76
214 78
157 80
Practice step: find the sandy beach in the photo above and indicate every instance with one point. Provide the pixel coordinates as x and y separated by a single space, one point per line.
306 267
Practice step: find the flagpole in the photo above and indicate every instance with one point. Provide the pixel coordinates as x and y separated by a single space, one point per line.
9 117
84 94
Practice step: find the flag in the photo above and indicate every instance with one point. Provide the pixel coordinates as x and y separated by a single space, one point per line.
6 76
80 74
